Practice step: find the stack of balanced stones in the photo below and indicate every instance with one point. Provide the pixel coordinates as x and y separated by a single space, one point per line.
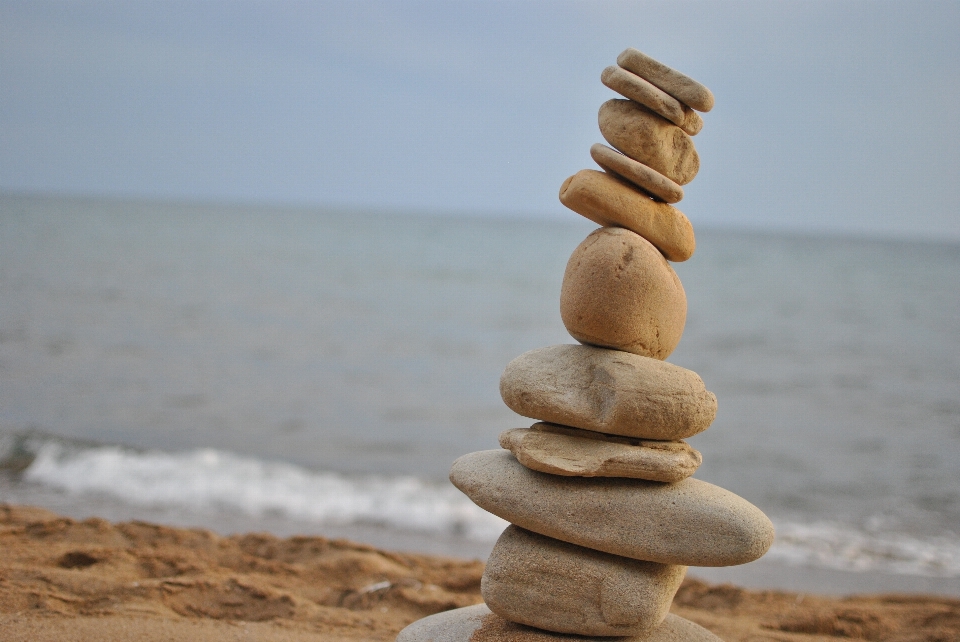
604 515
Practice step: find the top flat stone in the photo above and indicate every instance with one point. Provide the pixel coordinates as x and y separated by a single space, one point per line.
691 523
683 88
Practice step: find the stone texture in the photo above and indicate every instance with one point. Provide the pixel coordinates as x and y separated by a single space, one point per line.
608 391
477 624
691 523
619 292
637 89
543 582
637 173
612 202
647 138
560 450
683 88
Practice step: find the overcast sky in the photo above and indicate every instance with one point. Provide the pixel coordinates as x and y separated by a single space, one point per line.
829 115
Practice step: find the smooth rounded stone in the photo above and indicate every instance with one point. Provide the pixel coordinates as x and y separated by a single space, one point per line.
682 87
619 292
637 173
608 391
543 582
477 624
649 95
649 139
611 201
560 450
691 523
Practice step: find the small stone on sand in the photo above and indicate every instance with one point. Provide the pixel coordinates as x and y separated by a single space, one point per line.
637 173
619 292
682 87
611 201
543 582
560 450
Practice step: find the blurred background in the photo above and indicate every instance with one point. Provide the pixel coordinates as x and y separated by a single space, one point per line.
262 263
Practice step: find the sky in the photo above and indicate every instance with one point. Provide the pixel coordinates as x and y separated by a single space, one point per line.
831 116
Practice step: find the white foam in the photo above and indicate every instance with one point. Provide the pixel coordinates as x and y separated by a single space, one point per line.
844 547
207 479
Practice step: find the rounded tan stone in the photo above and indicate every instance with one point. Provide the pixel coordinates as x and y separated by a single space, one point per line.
477 624
619 292
691 523
649 139
543 582
560 450
637 173
682 87
647 94
611 201
608 391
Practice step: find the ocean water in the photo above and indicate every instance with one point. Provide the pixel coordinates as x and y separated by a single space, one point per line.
304 370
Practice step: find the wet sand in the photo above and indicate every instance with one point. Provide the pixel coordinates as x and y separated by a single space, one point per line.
64 580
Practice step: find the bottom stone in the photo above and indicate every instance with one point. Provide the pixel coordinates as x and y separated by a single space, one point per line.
478 624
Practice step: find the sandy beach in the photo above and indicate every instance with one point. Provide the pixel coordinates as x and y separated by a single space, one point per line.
65 580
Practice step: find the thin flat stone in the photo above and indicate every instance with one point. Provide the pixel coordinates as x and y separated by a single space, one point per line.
649 139
560 450
691 523
619 292
608 391
611 201
647 94
682 87
639 174
478 624
543 582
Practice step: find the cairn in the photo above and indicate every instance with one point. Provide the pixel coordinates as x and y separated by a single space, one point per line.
604 515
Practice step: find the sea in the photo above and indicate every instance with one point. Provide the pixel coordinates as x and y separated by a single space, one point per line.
308 370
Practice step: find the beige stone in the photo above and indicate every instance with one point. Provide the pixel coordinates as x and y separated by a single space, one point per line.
560 450
477 624
608 391
649 139
619 292
543 582
612 202
683 88
691 523
639 174
637 89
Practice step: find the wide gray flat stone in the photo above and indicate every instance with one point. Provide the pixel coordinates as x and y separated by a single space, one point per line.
478 624
608 391
543 582
560 450
691 523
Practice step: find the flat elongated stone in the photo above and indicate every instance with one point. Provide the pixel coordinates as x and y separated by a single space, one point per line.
649 139
691 523
683 88
637 173
560 450
477 624
619 292
649 95
608 391
543 582
612 202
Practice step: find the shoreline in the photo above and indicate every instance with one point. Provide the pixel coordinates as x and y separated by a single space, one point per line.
62 579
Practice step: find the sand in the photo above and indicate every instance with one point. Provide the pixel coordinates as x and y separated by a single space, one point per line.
64 580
